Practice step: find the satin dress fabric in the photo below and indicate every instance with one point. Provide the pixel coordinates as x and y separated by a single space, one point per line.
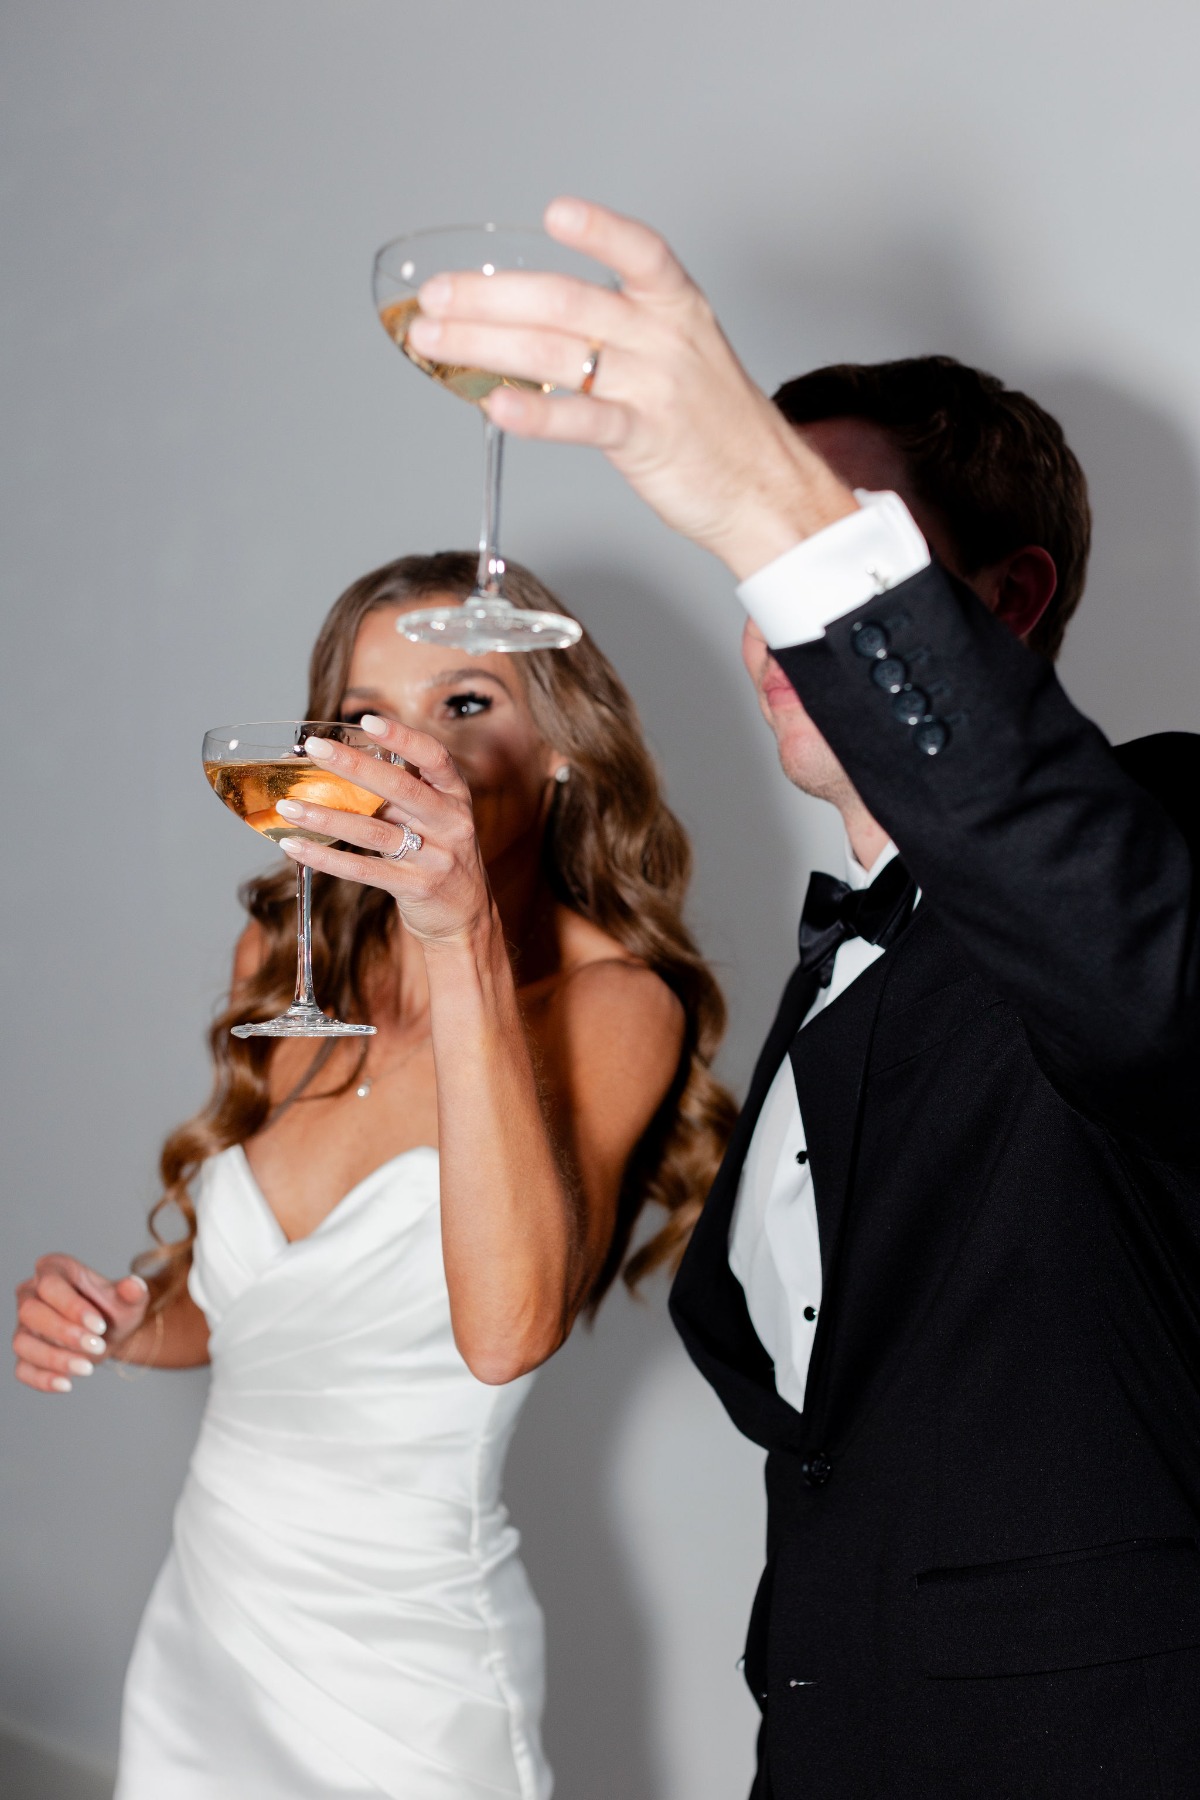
342 1611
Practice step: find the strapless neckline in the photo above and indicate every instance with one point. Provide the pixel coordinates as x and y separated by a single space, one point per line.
251 1182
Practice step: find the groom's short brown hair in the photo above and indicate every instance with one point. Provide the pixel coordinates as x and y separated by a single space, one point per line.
989 461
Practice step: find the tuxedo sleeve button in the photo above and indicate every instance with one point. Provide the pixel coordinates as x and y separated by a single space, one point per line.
931 737
890 674
910 706
870 639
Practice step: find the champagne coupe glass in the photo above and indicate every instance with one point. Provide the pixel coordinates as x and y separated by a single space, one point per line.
250 767
486 621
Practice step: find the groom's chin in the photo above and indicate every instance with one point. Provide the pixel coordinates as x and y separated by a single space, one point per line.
804 755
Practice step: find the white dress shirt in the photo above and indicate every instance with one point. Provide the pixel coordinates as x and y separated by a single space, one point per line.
774 1242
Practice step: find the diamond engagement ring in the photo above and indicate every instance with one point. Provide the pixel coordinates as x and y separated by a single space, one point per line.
412 841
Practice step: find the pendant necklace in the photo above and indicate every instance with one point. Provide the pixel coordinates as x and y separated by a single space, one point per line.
367 1082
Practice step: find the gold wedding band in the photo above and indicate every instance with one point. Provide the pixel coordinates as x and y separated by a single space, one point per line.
590 365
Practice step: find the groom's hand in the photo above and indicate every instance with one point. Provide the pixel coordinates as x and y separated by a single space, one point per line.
670 405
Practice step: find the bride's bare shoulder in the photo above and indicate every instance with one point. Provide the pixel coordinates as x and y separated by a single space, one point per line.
603 982
582 943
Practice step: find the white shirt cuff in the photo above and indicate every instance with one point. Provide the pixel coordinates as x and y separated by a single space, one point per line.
835 571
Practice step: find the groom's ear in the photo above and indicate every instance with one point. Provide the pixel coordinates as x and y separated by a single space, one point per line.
1018 588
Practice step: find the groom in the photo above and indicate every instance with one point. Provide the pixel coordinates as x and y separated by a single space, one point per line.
949 1274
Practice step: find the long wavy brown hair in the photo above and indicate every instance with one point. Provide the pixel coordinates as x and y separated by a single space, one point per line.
613 851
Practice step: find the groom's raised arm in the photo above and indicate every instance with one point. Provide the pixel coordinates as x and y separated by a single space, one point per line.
666 399
1068 882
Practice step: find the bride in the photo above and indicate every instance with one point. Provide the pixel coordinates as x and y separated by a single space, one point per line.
382 1244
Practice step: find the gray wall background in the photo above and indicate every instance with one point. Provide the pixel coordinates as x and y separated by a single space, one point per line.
206 436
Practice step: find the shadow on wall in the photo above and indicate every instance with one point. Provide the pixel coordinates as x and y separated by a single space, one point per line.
1132 656
599 1736
843 297
31 1771
643 1521
611 1728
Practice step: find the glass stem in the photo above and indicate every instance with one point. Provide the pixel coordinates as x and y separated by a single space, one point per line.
305 996
489 580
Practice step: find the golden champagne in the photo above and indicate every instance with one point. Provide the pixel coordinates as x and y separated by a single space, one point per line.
468 383
251 790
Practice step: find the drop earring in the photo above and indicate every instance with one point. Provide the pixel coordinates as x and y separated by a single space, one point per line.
562 773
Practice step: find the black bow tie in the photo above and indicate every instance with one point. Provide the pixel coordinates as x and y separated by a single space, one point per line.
834 911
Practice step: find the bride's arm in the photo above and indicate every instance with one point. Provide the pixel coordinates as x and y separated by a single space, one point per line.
181 1343
531 1158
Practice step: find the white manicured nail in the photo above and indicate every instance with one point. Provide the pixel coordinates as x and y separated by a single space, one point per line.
373 724
79 1365
61 1385
94 1344
321 748
95 1322
290 809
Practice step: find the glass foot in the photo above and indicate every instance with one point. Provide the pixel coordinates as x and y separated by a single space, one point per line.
303 1021
480 625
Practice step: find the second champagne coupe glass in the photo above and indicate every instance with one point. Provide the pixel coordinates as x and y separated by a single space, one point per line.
486 621
250 767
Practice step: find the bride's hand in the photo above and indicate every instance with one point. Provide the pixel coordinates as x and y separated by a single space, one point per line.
69 1318
441 888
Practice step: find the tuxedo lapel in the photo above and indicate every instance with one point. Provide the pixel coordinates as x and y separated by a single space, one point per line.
707 1300
798 996
713 1225
829 1062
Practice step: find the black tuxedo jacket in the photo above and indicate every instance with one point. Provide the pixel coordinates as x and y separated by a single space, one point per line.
982 1566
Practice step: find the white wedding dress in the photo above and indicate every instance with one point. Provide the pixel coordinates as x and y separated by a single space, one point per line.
342 1611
